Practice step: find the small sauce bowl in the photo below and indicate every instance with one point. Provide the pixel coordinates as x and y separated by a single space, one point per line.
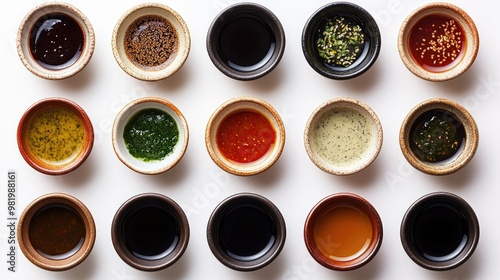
135 49
343 136
68 60
434 156
440 231
56 232
169 139
66 141
343 15
246 41
343 232
150 232
242 140
246 232
452 23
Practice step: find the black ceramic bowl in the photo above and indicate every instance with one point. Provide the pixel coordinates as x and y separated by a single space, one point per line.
246 41
354 15
440 231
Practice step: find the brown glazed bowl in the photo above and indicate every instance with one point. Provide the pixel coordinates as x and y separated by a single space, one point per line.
78 253
38 162
350 200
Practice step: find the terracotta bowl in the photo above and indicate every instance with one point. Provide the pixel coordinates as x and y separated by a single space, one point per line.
27 240
316 245
333 112
460 64
35 156
464 153
150 70
24 36
245 104
153 166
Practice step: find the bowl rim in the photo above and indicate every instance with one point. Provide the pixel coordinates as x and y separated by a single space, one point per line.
467 24
242 199
143 200
182 126
172 67
460 205
343 198
36 108
356 11
471 137
261 164
264 14
23 232
344 102
23 36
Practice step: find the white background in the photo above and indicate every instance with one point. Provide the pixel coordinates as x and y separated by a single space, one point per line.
294 183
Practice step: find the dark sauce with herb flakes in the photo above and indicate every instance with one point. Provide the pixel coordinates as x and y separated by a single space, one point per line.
151 134
436 135
56 41
56 231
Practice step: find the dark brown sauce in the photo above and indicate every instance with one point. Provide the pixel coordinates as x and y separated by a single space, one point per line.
56 41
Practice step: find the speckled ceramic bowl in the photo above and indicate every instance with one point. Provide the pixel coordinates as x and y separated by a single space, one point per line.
153 67
152 166
343 136
61 71
461 63
465 152
241 104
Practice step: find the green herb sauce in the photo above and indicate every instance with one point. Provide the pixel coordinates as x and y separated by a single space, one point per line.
436 135
151 135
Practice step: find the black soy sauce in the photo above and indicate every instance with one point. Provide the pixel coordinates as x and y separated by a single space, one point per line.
246 42
151 232
56 41
439 232
246 232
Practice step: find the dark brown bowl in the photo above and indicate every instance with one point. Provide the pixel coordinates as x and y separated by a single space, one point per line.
366 253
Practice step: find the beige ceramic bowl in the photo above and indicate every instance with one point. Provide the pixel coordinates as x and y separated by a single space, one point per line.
245 104
176 59
156 166
465 59
464 154
45 165
358 143
45 202
23 40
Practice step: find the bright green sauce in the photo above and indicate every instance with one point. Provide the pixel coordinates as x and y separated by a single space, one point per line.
151 135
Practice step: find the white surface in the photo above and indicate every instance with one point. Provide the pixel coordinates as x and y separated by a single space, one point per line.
294 184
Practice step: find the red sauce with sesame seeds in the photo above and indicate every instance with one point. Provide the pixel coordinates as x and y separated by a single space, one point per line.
437 42
245 136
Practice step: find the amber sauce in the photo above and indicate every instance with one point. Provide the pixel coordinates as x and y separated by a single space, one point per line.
343 232
437 42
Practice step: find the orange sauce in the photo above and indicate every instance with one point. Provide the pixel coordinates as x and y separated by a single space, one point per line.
343 232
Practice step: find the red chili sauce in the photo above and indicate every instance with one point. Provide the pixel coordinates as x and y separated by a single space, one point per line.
437 42
245 136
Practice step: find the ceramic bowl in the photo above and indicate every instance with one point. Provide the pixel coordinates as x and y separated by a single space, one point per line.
354 245
143 63
68 156
30 235
343 136
464 58
127 227
246 232
54 71
346 67
246 41
146 166
230 108
440 231
450 110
